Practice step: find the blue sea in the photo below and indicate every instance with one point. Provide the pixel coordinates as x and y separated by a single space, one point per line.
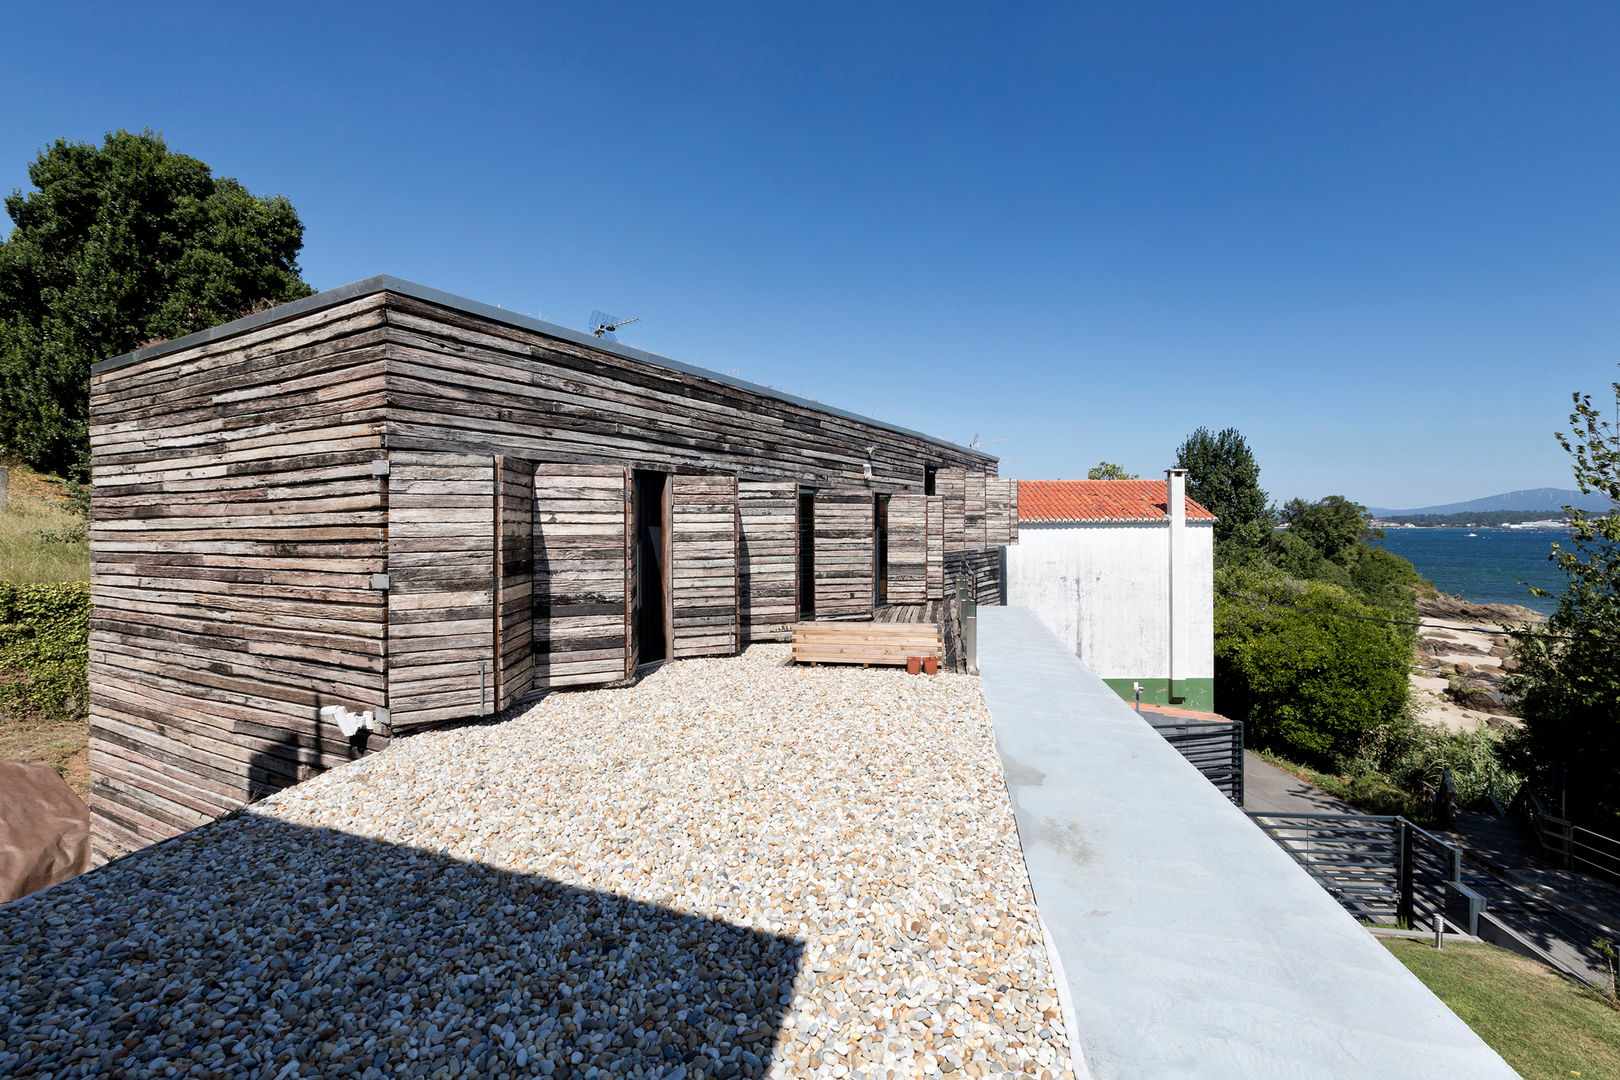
1484 565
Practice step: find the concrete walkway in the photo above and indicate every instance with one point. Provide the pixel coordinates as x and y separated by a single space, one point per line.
1269 789
1192 945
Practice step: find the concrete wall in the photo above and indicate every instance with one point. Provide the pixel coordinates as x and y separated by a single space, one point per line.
1103 589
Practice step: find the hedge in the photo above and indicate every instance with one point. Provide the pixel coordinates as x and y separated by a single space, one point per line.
44 650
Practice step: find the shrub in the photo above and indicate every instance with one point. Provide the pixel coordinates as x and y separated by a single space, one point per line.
1308 682
44 650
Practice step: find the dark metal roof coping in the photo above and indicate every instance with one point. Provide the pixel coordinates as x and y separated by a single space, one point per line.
387 283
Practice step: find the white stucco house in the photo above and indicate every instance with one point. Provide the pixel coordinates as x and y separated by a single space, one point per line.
1123 572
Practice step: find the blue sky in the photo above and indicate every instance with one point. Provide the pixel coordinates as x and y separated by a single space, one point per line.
1381 242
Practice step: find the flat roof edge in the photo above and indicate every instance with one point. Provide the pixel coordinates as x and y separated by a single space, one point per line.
378 283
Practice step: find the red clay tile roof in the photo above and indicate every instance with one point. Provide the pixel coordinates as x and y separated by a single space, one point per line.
1097 500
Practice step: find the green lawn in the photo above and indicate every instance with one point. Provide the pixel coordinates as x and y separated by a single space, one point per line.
1541 1023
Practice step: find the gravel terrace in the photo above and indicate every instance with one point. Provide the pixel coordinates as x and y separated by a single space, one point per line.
733 868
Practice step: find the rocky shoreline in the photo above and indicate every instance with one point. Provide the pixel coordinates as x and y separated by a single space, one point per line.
1457 674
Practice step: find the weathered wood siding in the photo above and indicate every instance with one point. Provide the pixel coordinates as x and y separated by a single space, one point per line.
703 566
843 531
908 549
936 547
236 524
981 569
1012 512
997 502
582 577
458 381
973 535
952 485
514 580
441 587
768 572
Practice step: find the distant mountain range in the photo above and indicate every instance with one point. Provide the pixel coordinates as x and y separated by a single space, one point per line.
1550 500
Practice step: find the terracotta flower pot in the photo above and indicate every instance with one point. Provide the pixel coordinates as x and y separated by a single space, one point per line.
931 665
913 665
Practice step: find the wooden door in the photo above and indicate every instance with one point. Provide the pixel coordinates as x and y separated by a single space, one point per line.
952 484
514 580
582 574
908 549
936 547
768 569
441 587
703 615
843 553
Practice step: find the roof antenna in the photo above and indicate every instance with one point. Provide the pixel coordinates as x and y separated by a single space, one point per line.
603 324
978 442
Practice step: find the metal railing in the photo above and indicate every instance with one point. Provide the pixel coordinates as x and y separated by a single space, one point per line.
1383 870
1575 847
1214 747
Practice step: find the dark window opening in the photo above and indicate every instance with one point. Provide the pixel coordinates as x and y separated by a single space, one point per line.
880 549
807 553
652 572
930 476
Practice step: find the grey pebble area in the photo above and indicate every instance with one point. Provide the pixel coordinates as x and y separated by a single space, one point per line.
734 868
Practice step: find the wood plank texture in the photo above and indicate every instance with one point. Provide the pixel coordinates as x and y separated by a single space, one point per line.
235 527
768 570
843 556
866 642
908 549
514 580
973 536
935 570
1012 511
952 486
441 587
997 502
703 566
581 575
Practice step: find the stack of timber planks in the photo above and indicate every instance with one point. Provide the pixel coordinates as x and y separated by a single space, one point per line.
865 642
843 553
581 575
768 568
236 524
703 566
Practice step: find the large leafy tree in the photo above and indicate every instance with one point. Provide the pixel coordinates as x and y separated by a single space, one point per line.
120 245
1334 526
1107 470
1223 476
1569 671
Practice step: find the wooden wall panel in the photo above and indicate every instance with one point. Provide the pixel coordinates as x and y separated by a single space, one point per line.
843 556
997 501
908 549
952 486
973 512
768 569
582 576
1012 512
703 566
441 587
459 381
236 524
514 580
936 547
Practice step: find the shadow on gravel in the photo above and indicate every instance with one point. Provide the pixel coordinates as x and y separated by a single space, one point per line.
253 947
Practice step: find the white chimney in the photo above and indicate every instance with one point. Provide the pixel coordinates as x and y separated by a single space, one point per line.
1175 500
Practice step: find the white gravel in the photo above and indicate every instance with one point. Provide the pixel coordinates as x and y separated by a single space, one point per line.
734 868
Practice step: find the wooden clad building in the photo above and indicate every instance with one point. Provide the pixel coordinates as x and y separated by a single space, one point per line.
385 499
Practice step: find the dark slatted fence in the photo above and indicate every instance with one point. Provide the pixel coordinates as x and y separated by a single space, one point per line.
1214 747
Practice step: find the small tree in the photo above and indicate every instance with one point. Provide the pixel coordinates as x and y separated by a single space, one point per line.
121 245
1107 470
1223 476
1569 671
1335 527
1307 681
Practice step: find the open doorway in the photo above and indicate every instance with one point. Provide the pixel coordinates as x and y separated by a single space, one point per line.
651 604
807 553
880 549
